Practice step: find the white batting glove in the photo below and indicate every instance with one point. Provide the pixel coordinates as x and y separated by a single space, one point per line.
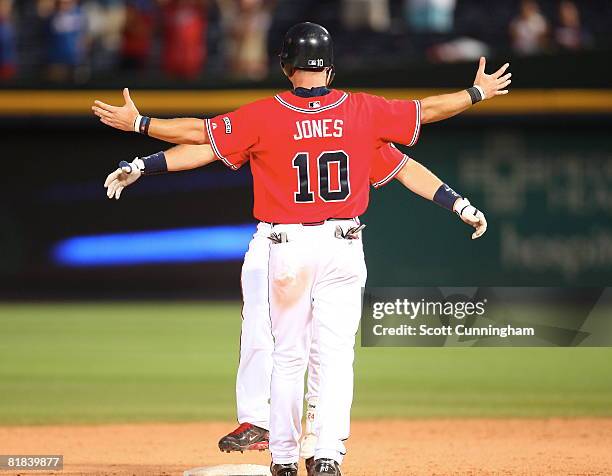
125 175
472 216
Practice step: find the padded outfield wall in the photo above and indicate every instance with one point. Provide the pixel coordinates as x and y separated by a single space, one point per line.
538 163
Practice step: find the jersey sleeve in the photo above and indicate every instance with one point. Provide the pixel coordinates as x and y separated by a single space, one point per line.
395 120
232 134
238 160
386 163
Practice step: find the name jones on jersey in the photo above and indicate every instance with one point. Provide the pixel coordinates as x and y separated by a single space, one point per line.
318 128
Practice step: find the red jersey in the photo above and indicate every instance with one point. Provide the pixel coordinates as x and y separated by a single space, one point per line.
387 162
312 158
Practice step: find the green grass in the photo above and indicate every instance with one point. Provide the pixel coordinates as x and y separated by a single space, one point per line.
77 363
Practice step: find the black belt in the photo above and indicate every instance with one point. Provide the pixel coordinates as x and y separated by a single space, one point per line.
314 223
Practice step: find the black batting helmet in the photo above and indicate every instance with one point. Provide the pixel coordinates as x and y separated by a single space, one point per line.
307 46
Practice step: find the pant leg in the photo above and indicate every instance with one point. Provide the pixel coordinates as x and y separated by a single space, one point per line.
291 278
256 341
309 431
337 311
314 362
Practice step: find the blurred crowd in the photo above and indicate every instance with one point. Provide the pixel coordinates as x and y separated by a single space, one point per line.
68 39
75 40
532 32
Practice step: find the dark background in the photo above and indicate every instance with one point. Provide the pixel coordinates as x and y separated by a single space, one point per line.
543 178
545 185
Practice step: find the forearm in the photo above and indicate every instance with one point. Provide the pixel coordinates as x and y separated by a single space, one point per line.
418 179
437 108
180 157
187 157
421 181
179 131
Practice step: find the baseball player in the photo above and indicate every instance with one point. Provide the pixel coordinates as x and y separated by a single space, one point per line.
311 152
256 342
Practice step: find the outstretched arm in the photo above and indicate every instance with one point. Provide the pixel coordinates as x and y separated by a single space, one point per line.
187 157
421 181
180 157
418 179
186 130
437 108
127 118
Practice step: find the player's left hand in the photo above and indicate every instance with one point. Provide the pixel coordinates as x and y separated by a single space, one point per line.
119 117
125 175
472 216
494 84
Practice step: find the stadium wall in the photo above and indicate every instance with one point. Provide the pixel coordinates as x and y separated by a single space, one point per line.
543 178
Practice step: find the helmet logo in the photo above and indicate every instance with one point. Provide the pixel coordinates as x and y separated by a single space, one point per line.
319 63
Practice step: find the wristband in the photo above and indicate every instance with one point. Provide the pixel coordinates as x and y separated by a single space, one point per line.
476 94
482 94
141 124
144 125
446 197
153 164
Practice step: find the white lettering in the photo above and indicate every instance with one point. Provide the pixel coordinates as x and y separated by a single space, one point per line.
338 123
318 128
306 129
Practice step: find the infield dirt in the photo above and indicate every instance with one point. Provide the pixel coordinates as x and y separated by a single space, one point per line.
390 447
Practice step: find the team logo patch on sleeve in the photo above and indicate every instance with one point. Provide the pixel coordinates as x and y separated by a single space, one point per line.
228 125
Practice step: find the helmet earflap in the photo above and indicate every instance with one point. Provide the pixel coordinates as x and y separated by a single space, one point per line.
287 69
331 74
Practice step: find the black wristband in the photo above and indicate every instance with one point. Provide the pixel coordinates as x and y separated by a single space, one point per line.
155 164
446 197
475 95
144 125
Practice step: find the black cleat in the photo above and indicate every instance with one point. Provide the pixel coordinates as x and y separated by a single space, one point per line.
284 469
310 464
246 437
326 467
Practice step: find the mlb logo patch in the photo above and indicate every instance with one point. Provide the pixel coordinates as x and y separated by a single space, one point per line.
314 104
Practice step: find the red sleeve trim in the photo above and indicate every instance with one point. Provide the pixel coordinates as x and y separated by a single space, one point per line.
393 173
214 147
417 128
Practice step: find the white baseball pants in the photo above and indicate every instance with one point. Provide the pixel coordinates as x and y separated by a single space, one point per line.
256 341
315 277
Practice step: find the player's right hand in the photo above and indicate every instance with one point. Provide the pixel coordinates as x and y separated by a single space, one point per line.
125 175
492 84
119 117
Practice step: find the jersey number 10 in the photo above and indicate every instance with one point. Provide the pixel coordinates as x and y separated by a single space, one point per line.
327 194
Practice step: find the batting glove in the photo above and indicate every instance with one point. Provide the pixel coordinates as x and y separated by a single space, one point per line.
125 175
472 216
